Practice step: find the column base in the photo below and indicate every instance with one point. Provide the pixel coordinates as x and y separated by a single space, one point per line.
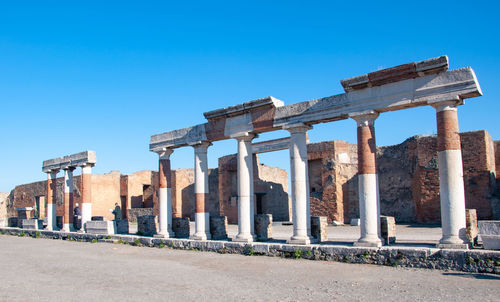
369 242
165 235
301 240
201 236
244 238
66 228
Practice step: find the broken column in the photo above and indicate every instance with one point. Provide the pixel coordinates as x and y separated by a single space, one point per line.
245 189
68 200
263 226
369 206
202 216
301 210
451 180
51 200
165 195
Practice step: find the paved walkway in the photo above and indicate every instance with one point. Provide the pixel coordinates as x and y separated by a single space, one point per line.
57 270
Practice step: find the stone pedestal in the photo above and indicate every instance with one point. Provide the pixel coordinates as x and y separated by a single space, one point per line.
122 226
319 228
146 225
489 230
263 226
32 224
388 229
100 227
180 226
218 227
472 230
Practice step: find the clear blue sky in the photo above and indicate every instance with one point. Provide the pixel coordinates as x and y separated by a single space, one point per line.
105 76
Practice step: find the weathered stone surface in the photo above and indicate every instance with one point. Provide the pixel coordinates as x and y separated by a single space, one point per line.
218 227
490 234
32 224
388 229
355 221
121 226
180 226
263 226
146 225
271 145
471 224
100 227
135 213
3 209
319 228
73 160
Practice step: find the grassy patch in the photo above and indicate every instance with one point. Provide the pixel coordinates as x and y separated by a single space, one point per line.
22 234
94 240
37 234
297 254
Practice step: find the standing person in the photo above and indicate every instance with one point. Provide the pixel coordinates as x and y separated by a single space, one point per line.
77 217
117 212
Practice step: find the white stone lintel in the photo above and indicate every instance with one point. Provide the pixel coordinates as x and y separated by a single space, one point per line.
70 161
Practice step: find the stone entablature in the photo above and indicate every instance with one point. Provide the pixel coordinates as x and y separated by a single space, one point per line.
68 161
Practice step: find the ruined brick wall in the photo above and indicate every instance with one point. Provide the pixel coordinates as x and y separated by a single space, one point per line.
270 183
183 198
105 193
332 168
408 178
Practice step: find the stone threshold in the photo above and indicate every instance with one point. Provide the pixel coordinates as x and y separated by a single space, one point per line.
473 261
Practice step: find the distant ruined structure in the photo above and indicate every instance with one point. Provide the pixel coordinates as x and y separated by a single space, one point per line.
424 179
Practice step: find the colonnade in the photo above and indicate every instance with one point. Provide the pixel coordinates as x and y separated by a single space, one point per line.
68 184
450 175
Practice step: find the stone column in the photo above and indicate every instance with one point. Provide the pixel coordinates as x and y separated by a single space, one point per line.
451 182
369 204
165 195
68 200
202 216
245 189
86 194
51 200
301 210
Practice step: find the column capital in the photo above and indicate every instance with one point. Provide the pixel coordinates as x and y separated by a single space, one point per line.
165 153
244 136
364 118
297 128
200 145
448 104
52 172
70 169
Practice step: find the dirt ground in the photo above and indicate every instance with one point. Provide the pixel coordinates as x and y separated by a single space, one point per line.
56 270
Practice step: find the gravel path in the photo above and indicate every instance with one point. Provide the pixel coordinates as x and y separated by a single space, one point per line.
56 270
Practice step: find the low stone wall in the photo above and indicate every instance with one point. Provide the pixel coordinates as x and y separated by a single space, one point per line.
180 227
32 224
146 225
136 212
263 226
475 261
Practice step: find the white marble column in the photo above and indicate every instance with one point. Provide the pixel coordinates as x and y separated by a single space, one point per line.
301 210
202 216
68 200
165 195
51 200
451 182
86 194
369 204
245 189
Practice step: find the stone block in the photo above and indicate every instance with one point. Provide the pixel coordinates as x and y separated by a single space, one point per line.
388 229
180 226
489 230
121 226
100 227
59 222
355 222
319 228
12 222
97 218
218 227
146 225
32 224
263 226
471 224
136 212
